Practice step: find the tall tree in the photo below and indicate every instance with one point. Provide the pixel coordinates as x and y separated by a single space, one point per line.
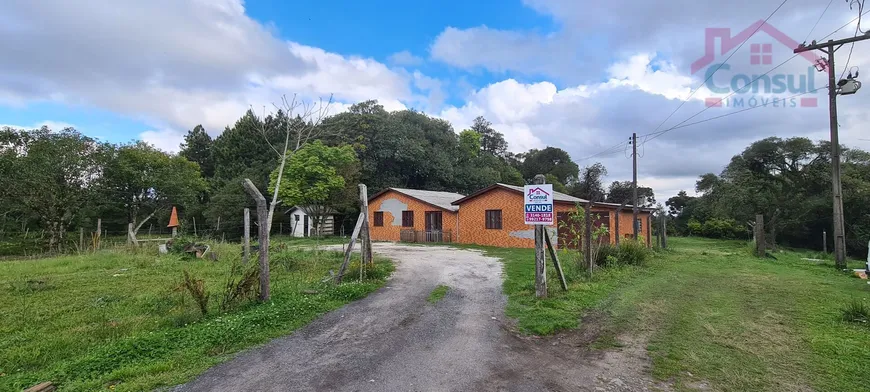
491 141
551 160
676 204
589 185
50 175
620 191
197 147
143 181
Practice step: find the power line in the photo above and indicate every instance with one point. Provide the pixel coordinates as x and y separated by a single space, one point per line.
857 30
818 20
776 100
845 25
692 93
659 133
610 150
655 134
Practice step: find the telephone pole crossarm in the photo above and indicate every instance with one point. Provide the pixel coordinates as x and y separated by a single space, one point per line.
824 46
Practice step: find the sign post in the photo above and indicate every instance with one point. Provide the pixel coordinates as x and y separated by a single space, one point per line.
538 211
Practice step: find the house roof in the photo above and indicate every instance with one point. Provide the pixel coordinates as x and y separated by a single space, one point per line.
443 200
558 197
329 211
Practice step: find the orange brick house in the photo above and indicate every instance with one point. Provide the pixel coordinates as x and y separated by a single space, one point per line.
397 214
492 216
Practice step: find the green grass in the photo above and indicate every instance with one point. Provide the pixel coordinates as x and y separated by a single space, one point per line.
438 293
709 309
118 317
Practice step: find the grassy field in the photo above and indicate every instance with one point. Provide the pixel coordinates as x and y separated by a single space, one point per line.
712 313
123 320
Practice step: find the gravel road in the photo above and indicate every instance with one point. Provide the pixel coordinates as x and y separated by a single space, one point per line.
395 340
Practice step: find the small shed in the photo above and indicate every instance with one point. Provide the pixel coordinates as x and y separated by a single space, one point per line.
302 223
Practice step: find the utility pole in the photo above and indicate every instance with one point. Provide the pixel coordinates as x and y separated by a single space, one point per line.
829 48
634 184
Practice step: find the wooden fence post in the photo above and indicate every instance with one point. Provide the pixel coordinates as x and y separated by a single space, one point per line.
367 235
759 235
263 219
247 246
218 228
587 250
825 241
540 257
664 231
99 231
194 227
556 264
81 239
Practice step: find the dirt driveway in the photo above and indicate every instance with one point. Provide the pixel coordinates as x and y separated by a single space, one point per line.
395 340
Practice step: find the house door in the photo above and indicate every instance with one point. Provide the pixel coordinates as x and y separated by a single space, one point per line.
305 226
433 226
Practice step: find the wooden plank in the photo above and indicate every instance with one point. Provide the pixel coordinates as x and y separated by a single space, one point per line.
263 220
349 250
556 263
42 387
246 255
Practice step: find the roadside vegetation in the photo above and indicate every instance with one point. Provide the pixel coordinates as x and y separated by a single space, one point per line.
709 312
438 293
127 319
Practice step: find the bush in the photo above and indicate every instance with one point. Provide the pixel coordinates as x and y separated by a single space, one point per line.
694 227
721 228
630 252
856 312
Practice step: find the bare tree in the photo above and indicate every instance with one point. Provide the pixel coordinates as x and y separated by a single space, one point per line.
302 125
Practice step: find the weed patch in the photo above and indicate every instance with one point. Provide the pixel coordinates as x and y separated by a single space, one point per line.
438 293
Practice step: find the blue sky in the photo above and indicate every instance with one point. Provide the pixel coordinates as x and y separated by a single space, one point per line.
581 75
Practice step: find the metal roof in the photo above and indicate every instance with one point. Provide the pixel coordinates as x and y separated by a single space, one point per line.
557 196
435 198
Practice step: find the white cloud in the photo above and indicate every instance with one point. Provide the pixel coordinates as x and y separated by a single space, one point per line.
175 64
405 58
165 139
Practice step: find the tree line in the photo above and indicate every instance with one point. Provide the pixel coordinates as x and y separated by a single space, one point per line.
58 181
789 182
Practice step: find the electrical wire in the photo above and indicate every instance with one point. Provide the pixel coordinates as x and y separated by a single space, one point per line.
610 150
681 125
860 4
657 134
652 135
817 21
844 26
692 93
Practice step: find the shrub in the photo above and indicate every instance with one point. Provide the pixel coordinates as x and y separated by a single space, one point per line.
196 288
694 227
242 284
630 252
856 312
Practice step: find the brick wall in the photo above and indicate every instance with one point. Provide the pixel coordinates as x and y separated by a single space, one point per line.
392 201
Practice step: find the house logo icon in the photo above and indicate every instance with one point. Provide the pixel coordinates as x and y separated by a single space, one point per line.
761 56
537 191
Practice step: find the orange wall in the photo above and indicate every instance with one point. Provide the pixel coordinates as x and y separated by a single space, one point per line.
392 200
625 228
515 233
